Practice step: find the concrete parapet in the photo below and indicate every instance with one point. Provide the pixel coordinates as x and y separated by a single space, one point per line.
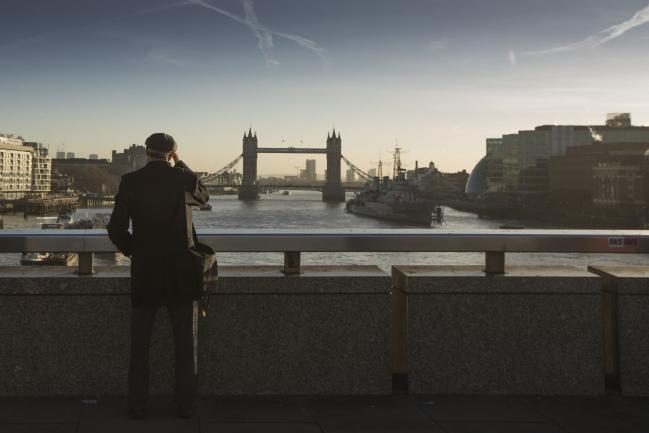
626 324
325 331
529 331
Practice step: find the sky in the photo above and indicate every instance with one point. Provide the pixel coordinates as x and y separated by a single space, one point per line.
437 77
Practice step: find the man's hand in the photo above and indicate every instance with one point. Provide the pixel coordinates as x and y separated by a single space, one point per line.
174 157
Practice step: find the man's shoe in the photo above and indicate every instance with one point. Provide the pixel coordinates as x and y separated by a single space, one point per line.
136 412
186 412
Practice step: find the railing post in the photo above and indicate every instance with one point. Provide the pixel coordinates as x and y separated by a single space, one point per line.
494 262
609 310
291 263
399 343
85 264
610 334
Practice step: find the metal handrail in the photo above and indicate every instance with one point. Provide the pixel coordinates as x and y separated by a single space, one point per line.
236 240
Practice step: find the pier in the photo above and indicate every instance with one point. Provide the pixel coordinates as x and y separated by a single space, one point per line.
48 205
96 200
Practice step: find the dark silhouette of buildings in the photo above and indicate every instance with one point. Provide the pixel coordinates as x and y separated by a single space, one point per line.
131 159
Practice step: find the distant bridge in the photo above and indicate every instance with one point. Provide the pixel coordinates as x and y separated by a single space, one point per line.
283 186
333 189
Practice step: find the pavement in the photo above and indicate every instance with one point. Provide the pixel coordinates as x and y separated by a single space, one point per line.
392 414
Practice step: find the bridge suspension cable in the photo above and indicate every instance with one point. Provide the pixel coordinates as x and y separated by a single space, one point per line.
212 176
357 170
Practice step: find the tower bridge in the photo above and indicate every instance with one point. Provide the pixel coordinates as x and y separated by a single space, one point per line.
333 189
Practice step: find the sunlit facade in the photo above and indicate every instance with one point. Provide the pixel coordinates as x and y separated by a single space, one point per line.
15 168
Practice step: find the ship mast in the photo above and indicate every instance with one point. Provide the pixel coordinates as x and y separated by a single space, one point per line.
396 162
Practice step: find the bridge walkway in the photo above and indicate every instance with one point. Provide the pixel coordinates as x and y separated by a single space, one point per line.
393 414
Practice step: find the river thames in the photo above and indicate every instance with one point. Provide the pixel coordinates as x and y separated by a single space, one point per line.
305 210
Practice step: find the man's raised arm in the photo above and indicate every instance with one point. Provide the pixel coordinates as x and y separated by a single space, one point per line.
197 192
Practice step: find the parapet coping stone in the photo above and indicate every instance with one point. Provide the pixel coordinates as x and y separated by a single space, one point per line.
114 280
626 280
471 279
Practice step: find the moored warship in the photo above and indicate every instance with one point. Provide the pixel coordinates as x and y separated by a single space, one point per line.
395 200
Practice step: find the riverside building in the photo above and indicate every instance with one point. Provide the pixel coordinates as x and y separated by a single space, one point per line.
131 159
41 169
15 167
310 171
25 168
517 164
591 175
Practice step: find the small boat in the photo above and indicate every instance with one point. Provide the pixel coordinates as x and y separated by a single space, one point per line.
60 259
82 224
28 259
206 206
64 219
47 226
100 220
286 192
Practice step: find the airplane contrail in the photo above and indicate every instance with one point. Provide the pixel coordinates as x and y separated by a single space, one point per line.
264 34
264 39
639 18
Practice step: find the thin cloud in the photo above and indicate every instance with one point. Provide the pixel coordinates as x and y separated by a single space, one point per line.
165 57
638 19
438 45
512 57
264 34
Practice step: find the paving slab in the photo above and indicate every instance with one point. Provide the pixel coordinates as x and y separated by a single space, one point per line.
38 428
389 414
254 410
499 427
279 427
376 414
39 410
109 415
593 415
479 409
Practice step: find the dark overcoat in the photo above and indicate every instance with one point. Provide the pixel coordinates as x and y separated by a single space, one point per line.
156 200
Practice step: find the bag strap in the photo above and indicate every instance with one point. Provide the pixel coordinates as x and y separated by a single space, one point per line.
194 236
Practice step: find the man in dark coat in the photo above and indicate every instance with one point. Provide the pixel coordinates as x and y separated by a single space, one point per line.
156 199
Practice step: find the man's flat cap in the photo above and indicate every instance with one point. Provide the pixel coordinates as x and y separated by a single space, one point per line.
161 142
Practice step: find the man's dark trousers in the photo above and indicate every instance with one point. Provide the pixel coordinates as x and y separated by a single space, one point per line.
142 319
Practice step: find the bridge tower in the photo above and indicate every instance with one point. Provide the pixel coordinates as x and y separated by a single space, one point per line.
249 189
333 190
